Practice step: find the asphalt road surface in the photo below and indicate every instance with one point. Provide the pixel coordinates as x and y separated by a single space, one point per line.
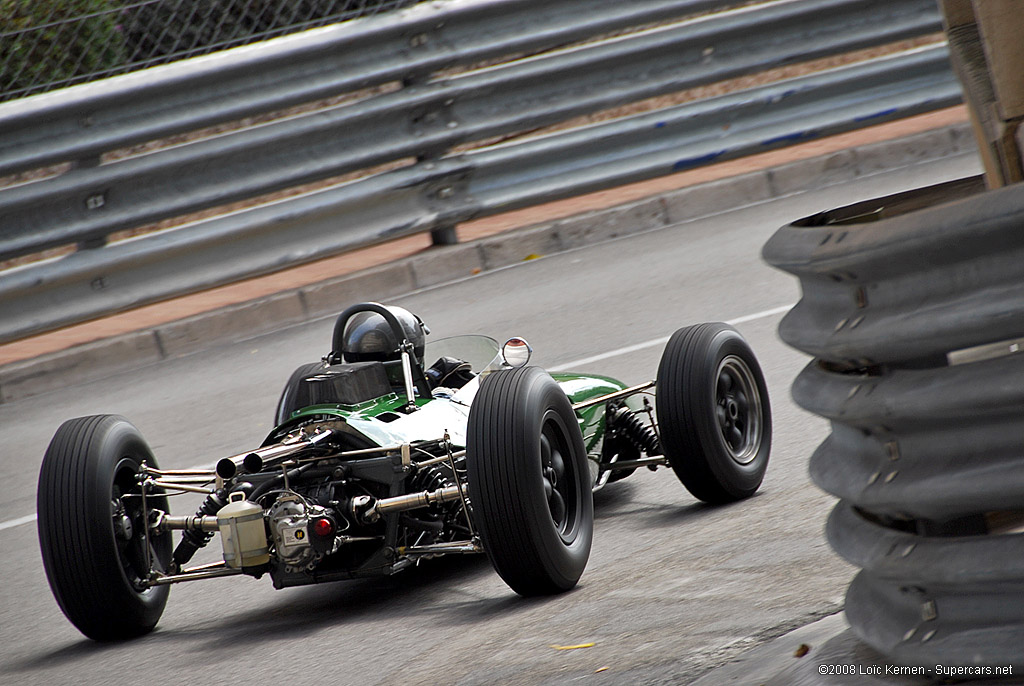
674 588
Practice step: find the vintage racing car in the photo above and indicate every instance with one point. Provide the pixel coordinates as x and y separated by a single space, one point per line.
377 462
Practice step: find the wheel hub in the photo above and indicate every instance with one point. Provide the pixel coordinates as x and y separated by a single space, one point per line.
739 409
555 485
123 527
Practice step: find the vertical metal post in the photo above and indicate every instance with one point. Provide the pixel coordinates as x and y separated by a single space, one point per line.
444 235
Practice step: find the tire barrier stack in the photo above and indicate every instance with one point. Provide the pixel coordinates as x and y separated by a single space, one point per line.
913 309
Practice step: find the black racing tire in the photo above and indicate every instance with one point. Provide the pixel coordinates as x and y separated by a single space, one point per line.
523 440
93 560
287 404
714 416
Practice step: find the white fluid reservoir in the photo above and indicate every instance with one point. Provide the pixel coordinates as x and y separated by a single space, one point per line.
242 532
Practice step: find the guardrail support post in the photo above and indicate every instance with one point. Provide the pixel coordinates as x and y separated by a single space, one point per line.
444 235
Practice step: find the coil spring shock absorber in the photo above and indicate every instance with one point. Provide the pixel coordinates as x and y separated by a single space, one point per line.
191 541
434 478
633 429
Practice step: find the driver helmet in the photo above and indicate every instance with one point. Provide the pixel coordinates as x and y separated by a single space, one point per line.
369 338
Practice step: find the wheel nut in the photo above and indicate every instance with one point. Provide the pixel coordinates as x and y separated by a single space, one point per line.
124 527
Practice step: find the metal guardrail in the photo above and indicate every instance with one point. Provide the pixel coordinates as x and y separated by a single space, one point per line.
912 309
84 122
423 120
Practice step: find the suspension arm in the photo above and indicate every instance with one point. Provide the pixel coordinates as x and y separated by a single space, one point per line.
617 395
657 461
370 509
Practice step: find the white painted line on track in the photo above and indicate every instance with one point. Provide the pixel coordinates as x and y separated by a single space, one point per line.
611 353
760 315
662 340
11 523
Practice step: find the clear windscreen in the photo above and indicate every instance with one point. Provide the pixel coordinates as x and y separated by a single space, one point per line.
481 352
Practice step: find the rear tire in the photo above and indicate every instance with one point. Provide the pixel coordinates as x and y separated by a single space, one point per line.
91 528
714 416
287 403
529 481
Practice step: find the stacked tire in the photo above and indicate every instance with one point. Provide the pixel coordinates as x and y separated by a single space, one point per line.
913 310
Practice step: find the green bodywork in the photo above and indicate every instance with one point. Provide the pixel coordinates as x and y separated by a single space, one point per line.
581 388
382 421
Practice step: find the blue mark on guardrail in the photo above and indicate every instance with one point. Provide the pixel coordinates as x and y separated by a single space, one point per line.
697 161
790 138
876 115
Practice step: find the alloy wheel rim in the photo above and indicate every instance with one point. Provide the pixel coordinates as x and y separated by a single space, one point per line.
738 409
557 476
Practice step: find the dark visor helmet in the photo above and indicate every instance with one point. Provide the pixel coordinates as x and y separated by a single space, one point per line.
369 338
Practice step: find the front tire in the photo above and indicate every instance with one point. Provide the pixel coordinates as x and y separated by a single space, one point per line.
713 413
91 528
529 481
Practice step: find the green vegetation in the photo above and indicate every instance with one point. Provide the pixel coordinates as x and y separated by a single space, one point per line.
46 44
55 42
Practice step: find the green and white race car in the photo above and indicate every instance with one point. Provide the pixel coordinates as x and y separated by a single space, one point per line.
377 462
